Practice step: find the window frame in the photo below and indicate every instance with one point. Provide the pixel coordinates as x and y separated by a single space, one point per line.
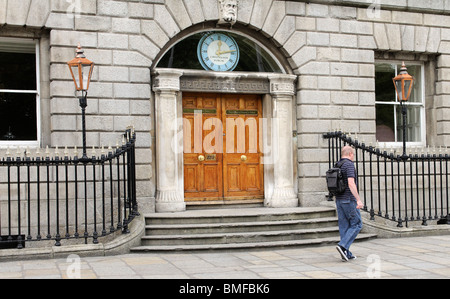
421 105
15 41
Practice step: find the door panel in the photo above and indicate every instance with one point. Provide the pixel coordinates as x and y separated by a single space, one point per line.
202 147
222 130
242 158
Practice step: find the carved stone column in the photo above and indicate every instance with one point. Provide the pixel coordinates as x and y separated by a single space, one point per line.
168 196
282 92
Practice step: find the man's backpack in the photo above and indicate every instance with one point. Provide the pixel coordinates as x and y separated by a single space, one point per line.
336 182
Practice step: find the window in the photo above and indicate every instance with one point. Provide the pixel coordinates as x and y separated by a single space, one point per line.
19 92
253 57
389 123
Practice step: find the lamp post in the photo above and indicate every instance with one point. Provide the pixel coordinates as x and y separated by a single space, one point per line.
403 84
81 70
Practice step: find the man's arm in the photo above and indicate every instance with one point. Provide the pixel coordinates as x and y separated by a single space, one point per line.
354 190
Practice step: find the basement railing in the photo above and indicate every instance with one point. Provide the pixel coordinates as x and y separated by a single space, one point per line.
58 197
399 188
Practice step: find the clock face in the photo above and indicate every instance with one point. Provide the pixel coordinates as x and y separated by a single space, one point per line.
218 52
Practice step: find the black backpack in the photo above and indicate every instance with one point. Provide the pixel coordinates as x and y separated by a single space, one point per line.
336 182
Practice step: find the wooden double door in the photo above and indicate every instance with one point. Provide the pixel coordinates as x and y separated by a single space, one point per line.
222 147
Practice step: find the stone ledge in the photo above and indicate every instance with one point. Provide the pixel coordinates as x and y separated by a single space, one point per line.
119 245
387 228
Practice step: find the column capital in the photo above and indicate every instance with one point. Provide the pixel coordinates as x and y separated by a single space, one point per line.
167 80
282 84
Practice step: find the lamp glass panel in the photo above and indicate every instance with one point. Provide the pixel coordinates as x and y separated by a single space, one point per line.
86 75
398 85
76 75
407 86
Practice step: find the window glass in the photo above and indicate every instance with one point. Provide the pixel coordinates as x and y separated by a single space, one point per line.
389 120
17 71
415 71
18 116
385 123
253 58
413 126
384 87
18 90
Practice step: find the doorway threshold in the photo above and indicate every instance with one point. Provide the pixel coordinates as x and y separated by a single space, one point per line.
221 204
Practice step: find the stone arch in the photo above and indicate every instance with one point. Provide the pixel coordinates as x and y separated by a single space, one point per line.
264 21
239 29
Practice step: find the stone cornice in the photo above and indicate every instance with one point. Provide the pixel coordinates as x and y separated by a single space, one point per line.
235 82
433 7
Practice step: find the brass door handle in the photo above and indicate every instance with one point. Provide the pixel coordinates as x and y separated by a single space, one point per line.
243 158
201 158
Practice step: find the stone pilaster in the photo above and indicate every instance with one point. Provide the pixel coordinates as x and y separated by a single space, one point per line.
168 196
440 101
282 91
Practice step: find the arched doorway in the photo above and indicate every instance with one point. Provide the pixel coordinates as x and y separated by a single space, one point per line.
197 85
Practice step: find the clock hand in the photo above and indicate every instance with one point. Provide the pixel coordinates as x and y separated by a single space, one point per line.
218 52
223 52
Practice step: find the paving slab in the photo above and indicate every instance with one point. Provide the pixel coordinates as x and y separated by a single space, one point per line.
411 258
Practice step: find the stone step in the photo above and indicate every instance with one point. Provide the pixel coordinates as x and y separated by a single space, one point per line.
246 246
239 215
215 229
240 237
205 228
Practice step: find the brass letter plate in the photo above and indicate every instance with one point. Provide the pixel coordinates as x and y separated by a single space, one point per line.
210 157
246 112
202 111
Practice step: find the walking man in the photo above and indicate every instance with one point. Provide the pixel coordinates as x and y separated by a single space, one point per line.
348 205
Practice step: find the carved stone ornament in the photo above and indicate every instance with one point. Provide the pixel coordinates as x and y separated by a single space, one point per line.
167 80
227 12
282 85
236 85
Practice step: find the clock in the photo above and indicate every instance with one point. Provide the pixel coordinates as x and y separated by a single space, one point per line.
218 52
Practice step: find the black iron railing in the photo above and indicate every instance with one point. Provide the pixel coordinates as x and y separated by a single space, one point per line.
62 197
401 188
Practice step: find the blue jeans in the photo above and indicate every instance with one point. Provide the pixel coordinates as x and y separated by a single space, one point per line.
349 221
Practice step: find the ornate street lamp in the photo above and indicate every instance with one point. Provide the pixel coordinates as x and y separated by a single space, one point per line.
403 83
81 70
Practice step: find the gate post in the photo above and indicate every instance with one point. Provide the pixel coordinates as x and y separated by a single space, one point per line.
282 92
168 196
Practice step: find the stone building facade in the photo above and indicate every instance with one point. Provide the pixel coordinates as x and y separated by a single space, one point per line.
327 58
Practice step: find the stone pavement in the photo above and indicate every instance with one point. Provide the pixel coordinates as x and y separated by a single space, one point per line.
414 257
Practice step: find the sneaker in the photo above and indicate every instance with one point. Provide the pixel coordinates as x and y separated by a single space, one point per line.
343 253
351 257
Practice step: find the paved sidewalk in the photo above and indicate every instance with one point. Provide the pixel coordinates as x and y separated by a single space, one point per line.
415 257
